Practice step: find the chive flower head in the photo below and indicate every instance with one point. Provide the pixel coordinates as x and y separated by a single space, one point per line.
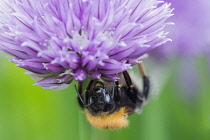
58 41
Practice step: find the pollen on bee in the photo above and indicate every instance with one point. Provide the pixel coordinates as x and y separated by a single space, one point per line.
97 85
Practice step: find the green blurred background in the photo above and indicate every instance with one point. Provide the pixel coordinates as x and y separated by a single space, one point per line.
29 112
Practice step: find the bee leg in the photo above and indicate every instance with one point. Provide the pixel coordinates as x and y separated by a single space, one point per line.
117 95
79 95
132 92
86 98
90 84
113 90
146 81
127 78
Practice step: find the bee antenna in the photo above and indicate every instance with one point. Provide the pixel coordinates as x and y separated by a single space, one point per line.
78 94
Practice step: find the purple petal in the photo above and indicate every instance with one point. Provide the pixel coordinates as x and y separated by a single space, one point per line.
79 74
55 82
33 65
112 66
54 68
109 77
95 75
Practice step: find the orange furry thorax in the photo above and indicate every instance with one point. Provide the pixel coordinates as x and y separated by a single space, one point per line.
114 120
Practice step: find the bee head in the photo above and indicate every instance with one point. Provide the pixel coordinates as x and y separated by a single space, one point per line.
99 99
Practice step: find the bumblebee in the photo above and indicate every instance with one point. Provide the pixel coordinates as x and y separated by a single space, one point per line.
107 104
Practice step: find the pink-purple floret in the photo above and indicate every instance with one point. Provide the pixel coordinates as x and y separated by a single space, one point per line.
58 41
